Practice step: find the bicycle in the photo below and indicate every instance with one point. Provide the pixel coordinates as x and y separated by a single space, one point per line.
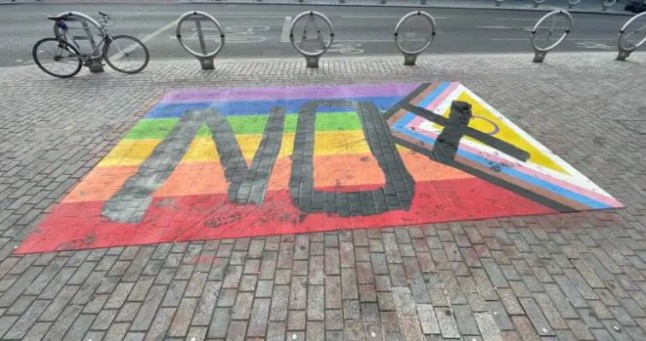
56 56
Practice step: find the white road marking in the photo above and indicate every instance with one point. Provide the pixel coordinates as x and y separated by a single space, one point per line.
527 39
380 17
517 19
501 27
284 36
146 39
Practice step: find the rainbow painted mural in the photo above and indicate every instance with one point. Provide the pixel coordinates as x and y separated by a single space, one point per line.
228 163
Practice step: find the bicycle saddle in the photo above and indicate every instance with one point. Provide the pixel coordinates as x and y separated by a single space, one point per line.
56 18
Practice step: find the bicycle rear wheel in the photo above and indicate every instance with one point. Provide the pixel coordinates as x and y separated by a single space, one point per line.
57 57
126 54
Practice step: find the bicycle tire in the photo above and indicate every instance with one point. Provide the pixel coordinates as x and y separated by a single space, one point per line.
66 46
107 57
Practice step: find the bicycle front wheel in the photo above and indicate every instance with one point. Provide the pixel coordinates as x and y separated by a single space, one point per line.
57 57
126 54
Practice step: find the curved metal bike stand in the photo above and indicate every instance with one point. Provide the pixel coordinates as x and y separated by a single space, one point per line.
95 65
607 3
624 52
312 58
541 52
572 3
410 56
204 57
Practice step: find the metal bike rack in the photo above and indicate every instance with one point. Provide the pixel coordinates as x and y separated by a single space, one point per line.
572 3
607 3
410 56
538 3
203 56
95 65
311 58
625 51
541 52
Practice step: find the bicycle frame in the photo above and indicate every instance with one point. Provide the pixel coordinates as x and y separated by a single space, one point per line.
97 50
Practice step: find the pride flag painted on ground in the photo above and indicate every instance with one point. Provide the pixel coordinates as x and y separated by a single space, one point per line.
227 163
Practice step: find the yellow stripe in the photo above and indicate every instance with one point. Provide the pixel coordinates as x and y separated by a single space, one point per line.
202 149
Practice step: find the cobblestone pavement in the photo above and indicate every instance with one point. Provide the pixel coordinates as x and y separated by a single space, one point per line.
566 277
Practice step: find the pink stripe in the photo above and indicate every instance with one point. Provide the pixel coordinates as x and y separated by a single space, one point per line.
520 167
446 93
289 93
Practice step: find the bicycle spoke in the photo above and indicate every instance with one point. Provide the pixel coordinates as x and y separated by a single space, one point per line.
125 54
56 58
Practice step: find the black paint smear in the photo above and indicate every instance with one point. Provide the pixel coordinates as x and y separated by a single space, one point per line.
545 201
456 124
248 185
396 194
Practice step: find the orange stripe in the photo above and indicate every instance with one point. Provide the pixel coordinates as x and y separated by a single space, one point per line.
424 169
333 171
101 183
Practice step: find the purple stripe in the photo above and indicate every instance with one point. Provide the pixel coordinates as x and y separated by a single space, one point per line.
314 92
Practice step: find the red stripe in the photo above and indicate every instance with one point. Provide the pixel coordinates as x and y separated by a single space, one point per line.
80 225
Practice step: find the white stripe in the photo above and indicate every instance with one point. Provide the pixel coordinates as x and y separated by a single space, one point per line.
146 39
284 37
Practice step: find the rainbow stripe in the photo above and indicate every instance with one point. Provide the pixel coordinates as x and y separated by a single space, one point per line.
192 203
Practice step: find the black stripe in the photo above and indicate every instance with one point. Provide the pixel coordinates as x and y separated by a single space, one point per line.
555 205
487 139
390 112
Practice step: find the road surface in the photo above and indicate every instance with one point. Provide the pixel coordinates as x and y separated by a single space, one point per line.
261 30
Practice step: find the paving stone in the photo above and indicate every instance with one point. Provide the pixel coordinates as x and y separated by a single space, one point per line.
465 320
147 311
259 317
316 303
219 323
536 317
180 324
206 303
524 328
242 307
580 330
280 300
160 324
117 331
104 319
487 326
22 326
550 311
447 323
63 322
510 302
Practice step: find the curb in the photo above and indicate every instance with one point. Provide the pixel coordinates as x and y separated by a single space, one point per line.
204 2
544 9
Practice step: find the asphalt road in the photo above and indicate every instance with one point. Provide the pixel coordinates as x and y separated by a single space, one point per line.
260 30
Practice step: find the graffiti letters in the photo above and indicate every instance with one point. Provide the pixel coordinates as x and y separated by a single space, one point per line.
395 195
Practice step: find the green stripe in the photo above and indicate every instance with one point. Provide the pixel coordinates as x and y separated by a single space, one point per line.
158 128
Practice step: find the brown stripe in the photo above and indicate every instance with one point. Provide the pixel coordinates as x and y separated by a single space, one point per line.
425 93
528 186
395 117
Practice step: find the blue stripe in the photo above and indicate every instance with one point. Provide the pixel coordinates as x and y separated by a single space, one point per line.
433 95
509 171
174 110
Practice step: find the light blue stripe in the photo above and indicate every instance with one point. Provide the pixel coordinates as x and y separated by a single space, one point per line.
433 95
174 110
